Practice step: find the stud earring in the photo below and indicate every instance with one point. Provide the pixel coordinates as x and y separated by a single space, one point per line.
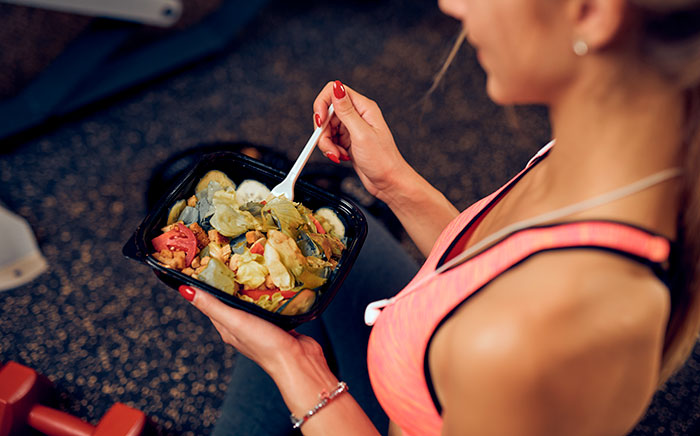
580 47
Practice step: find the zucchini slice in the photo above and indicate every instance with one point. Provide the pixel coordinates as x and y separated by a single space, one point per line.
175 211
216 176
251 190
331 218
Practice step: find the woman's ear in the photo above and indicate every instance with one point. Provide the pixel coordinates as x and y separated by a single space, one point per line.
597 22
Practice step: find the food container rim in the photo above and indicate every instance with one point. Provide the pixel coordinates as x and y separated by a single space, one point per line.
137 247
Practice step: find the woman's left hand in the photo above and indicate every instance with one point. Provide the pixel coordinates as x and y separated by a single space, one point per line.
266 344
295 362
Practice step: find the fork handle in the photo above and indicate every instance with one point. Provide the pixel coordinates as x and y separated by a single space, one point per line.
309 147
293 175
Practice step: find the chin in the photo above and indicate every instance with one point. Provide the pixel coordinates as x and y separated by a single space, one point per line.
498 94
512 95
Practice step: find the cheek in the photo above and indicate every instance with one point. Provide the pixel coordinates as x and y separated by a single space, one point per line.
524 50
531 71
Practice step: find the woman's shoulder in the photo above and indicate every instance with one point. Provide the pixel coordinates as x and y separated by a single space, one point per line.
574 334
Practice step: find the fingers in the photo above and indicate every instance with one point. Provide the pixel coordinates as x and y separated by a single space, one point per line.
365 107
345 109
347 122
213 308
327 141
343 138
323 100
329 148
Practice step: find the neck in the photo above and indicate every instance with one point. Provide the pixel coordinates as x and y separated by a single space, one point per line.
616 129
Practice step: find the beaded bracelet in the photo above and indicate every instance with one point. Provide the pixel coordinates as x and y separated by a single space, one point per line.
323 399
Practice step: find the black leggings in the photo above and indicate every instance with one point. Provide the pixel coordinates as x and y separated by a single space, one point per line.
254 406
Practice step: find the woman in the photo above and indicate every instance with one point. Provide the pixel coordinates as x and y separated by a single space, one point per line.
559 304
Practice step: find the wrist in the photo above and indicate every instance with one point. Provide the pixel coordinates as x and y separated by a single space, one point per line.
300 378
409 192
324 399
402 181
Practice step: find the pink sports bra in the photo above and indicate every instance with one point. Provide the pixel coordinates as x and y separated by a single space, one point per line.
399 341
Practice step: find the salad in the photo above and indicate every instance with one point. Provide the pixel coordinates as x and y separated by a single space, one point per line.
248 243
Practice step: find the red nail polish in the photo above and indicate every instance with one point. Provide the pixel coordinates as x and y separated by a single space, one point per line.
317 117
344 157
333 157
338 89
187 292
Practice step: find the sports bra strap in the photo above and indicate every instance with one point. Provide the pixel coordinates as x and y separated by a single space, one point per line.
622 238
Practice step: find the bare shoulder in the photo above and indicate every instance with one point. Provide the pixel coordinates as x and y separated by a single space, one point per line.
568 342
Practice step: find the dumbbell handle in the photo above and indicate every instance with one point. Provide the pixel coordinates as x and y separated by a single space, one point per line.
53 422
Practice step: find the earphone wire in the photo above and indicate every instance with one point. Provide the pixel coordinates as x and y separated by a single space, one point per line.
590 203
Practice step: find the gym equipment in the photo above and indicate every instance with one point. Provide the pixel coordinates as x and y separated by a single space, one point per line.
21 390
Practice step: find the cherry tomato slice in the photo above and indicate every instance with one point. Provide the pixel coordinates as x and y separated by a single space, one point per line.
257 248
179 238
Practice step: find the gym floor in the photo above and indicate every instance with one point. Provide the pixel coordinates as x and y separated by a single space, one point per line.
103 328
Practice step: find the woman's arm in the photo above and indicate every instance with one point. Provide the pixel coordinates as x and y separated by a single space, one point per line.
359 133
301 376
295 362
423 210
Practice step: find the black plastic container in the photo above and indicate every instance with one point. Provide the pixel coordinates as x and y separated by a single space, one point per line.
240 167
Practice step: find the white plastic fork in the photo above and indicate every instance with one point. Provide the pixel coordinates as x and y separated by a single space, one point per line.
286 186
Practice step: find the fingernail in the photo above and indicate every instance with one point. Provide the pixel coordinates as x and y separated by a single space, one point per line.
338 89
344 157
332 157
187 292
317 117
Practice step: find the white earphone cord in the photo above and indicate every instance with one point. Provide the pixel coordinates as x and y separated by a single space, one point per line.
590 203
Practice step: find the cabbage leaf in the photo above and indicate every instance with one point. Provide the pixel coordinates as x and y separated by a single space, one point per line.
251 270
219 276
284 215
288 251
228 219
279 274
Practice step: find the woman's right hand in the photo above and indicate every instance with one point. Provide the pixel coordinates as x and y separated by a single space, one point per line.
359 133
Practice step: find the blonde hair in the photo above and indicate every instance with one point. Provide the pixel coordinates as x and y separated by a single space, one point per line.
461 37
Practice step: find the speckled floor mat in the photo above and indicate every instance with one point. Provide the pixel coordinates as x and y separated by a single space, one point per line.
103 328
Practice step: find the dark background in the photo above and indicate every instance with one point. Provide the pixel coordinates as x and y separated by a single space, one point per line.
102 328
